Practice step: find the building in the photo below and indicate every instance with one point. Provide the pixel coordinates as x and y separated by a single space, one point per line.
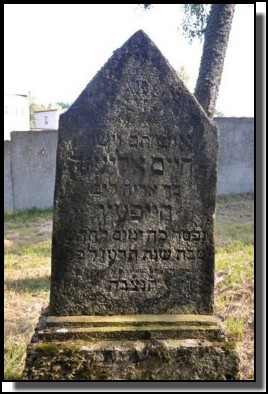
16 113
47 118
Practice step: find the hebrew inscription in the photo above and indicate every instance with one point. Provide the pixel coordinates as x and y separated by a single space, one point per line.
135 193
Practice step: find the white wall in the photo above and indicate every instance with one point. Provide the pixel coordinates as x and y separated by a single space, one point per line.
16 114
47 119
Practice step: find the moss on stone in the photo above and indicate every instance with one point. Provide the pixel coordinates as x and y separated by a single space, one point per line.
157 349
229 346
48 348
151 359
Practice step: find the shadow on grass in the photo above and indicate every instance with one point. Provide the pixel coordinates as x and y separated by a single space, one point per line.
20 249
36 250
29 285
29 214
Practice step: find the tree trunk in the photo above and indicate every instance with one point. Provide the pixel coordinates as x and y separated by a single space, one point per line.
215 44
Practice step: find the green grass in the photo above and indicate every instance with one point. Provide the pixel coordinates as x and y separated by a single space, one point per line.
239 257
27 278
28 215
235 327
234 268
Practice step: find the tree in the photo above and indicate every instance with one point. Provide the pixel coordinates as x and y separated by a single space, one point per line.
183 74
64 105
215 27
194 20
59 105
34 106
219 113
211 67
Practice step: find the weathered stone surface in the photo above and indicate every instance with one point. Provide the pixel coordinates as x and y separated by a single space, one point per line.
187 359
135 193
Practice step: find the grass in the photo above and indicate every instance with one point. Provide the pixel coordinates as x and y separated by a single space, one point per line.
13 355
234 281
27 278
27 272
235 327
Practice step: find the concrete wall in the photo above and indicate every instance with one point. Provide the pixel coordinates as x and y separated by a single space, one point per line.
8 189
30 161
33 168
236 155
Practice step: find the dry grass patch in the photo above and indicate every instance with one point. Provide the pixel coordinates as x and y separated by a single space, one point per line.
27 280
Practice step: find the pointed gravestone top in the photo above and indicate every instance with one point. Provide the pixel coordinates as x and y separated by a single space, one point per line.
135 193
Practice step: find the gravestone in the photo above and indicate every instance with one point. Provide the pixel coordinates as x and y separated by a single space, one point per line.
135 193
133 237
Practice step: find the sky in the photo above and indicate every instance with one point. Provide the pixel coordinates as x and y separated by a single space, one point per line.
54 50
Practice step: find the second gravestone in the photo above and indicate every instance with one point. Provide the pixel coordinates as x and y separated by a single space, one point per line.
133 243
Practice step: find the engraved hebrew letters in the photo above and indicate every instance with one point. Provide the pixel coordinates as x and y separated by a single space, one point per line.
135 193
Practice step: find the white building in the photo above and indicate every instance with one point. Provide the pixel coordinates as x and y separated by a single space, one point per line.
47 118
16 113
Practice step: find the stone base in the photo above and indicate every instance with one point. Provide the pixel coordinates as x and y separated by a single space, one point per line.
141 347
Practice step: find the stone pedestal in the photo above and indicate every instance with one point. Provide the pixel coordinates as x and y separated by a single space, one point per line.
130 347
